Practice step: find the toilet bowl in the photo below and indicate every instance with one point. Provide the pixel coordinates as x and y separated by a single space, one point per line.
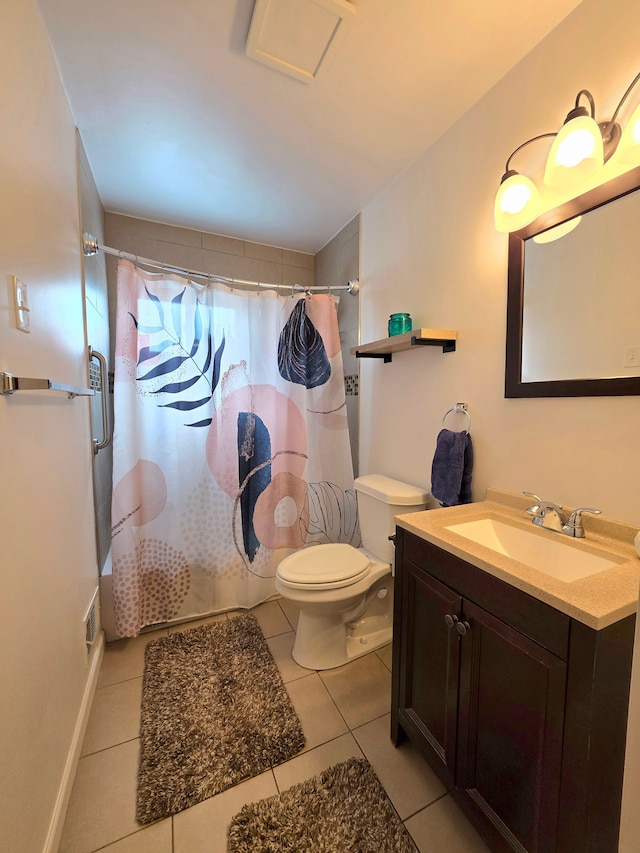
345 594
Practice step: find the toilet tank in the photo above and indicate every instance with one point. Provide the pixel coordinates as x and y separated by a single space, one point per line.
380 499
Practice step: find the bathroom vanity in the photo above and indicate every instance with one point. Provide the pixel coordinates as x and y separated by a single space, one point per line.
514 684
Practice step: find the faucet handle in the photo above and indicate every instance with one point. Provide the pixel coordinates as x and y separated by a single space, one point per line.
574 522
535 508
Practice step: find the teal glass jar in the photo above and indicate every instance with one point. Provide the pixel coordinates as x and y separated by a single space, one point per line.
399 324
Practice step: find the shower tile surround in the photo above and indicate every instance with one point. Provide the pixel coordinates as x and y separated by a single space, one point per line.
199 250
337 263
94 272
344 713
351 384
202 251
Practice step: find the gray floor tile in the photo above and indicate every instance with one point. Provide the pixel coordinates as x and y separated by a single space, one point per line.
280 647
405 775
290 611
385 655
203 828
321 720
157 838
311 763
124 659
361 689
442 826
271 618
103 800
115 715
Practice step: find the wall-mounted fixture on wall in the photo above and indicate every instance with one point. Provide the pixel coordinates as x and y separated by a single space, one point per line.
579 149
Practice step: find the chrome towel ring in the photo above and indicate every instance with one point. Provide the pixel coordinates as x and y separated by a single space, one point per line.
458 409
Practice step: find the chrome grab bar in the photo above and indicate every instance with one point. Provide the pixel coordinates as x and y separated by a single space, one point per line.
104 388
9 384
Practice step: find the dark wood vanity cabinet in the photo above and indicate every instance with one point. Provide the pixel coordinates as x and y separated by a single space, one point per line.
520 709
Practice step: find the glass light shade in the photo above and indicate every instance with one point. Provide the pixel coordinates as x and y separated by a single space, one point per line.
558 231
517 203
577 152
629 145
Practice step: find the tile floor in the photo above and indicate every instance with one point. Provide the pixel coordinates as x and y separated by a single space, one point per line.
344 712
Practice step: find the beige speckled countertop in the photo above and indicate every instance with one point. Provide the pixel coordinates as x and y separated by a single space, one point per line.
597 600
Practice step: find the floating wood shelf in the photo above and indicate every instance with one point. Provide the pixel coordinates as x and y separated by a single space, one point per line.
446 338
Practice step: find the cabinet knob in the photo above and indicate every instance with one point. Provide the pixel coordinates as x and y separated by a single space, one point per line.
462 628
450 620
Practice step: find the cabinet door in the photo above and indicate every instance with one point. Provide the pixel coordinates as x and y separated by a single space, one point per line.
510 733
429 691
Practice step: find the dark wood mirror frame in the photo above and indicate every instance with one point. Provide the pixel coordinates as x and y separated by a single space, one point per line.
514 386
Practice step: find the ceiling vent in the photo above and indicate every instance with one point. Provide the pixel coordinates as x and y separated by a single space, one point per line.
294 36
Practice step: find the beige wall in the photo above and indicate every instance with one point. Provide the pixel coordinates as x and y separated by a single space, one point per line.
429 245
48 556
335 264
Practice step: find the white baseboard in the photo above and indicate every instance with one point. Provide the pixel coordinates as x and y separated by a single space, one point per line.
64 792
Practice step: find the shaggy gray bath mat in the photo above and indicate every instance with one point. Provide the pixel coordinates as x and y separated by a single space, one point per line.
343 809
214 712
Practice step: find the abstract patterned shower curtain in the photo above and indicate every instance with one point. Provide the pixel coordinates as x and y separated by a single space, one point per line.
231 445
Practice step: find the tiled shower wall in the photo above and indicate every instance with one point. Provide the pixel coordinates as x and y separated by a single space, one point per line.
97 324
204 252
336 264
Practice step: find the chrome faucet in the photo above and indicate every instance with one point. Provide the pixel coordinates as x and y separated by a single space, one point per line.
549 515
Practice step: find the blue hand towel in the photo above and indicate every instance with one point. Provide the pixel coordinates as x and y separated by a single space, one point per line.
452 467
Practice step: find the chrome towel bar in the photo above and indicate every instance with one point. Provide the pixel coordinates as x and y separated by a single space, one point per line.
9 384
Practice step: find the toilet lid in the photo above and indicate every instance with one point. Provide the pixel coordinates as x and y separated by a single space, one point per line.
324 564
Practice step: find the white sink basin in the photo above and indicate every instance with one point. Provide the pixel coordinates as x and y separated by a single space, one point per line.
544 551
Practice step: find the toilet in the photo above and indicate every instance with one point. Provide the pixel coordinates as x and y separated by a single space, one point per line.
345 594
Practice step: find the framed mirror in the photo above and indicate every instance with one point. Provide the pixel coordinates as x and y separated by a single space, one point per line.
573 304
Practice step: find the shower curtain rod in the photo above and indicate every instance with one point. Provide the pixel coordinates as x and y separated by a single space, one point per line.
91 246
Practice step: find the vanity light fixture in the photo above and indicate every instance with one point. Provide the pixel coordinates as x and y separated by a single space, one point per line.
579 150
629 147
518 200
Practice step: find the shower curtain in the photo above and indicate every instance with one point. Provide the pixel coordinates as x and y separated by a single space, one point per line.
231 445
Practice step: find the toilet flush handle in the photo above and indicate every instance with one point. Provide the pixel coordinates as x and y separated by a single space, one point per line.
392 538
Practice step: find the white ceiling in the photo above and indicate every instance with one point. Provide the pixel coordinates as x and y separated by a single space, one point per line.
180 126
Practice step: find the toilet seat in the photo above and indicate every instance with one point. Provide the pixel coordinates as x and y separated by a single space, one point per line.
324 567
